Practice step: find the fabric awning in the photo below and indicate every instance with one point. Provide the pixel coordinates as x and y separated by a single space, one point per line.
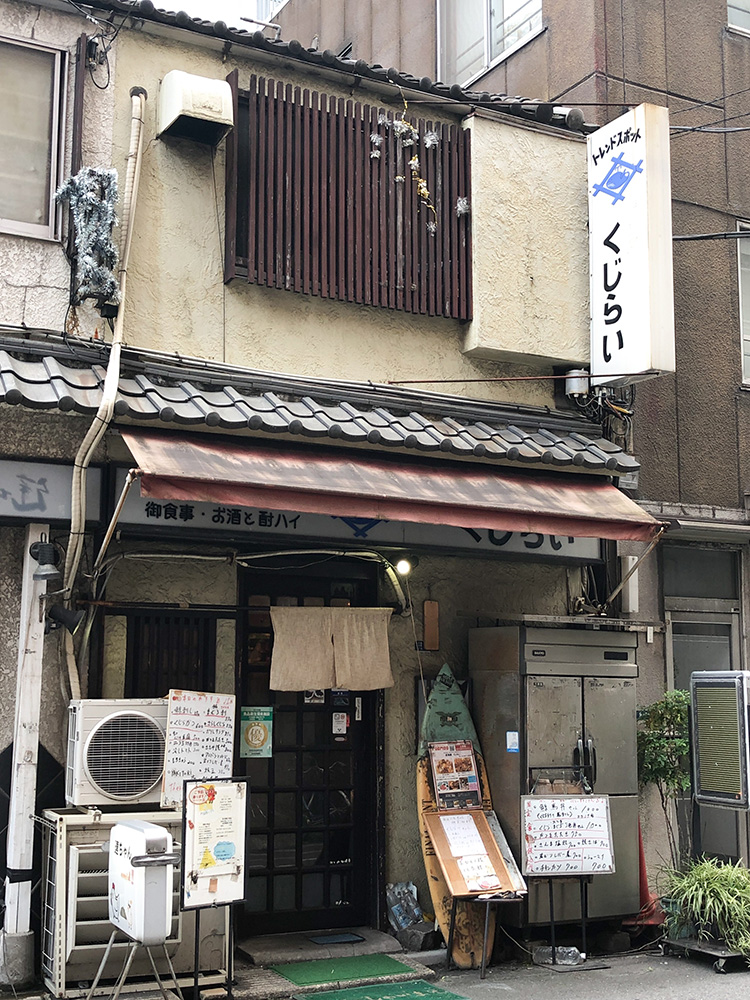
192 467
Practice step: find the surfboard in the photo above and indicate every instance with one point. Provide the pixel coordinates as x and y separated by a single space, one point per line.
447 719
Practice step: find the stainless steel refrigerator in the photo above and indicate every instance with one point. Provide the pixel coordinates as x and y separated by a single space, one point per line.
559 705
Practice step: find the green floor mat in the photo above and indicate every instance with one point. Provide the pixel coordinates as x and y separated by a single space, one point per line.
336 970
418 989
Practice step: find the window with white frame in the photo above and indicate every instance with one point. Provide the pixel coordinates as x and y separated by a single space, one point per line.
31 120
743 270
475 33
738 14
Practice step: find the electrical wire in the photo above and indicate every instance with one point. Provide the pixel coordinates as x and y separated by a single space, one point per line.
717 121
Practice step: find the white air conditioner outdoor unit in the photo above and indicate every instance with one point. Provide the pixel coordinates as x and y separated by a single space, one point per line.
115 751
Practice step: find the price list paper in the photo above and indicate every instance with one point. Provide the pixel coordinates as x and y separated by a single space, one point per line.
567 835
200 741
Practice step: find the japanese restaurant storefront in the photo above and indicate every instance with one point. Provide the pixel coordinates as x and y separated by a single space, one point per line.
228 547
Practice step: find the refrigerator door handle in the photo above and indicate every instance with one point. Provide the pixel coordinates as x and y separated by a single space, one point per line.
578 761
592 761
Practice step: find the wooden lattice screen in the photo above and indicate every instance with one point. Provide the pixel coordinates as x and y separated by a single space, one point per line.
311 210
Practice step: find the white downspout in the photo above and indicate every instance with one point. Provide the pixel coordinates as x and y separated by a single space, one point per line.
104 414
16 938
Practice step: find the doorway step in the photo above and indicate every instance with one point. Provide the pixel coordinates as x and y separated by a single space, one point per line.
255 980
273 949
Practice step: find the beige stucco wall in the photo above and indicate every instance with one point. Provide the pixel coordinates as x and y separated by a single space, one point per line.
530 230
529 242
35 276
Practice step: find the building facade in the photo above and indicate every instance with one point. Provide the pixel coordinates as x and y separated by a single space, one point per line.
332 349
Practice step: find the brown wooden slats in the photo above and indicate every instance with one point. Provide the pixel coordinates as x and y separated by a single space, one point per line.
325 218
230 190
305 201
467 293
319 132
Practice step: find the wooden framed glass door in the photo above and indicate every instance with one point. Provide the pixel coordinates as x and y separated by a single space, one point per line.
311 840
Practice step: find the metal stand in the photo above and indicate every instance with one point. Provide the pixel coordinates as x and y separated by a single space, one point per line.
551 885
230 955
488 901
132 948
584 914
196 954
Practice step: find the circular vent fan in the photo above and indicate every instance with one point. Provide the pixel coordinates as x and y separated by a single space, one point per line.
125 755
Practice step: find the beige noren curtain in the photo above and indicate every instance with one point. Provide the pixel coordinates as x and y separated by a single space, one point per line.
330 648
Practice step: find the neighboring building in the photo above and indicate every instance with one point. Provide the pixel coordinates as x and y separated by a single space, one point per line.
308 243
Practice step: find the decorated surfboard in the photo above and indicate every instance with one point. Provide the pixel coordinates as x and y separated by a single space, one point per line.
447 719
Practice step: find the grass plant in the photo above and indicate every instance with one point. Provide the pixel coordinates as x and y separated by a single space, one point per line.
714 897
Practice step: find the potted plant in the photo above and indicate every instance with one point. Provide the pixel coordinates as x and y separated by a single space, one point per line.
663 755
709 899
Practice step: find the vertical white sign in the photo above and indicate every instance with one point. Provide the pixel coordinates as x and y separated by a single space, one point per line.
630 248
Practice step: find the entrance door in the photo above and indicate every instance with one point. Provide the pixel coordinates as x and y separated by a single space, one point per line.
312 842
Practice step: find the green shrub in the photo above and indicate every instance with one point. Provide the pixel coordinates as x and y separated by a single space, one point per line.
663 753
714 897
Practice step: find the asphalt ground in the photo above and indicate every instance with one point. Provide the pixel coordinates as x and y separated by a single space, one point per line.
642 976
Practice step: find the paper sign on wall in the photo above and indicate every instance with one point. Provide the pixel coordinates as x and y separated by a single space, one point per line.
256 731
200 741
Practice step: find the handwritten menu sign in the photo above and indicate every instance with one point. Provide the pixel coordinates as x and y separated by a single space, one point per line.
567 835
469 856
200 741
213 838
454 771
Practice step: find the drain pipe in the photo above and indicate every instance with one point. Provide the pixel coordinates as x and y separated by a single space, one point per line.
104 414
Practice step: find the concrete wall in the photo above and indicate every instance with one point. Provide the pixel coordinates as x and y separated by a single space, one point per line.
390 32
35 276
530 229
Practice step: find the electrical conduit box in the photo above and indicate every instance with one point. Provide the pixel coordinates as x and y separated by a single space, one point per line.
141 866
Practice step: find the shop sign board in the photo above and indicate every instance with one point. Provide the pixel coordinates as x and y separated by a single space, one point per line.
630 248
34 491
261 524
213 838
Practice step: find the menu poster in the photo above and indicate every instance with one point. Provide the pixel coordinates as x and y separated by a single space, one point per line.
567 835
469 856
200 741
454 771
213 837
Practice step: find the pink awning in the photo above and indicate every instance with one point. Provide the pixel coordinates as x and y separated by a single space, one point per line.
339 483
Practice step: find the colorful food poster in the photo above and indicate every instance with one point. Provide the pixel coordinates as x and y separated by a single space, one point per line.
213 838
454 771
256 731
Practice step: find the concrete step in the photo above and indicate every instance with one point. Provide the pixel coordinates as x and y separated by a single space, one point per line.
272 949
254 983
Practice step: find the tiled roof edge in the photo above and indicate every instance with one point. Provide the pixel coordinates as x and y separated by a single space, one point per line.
528 109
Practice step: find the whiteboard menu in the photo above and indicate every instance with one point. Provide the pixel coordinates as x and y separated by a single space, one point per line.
567 835
213 843
200 741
